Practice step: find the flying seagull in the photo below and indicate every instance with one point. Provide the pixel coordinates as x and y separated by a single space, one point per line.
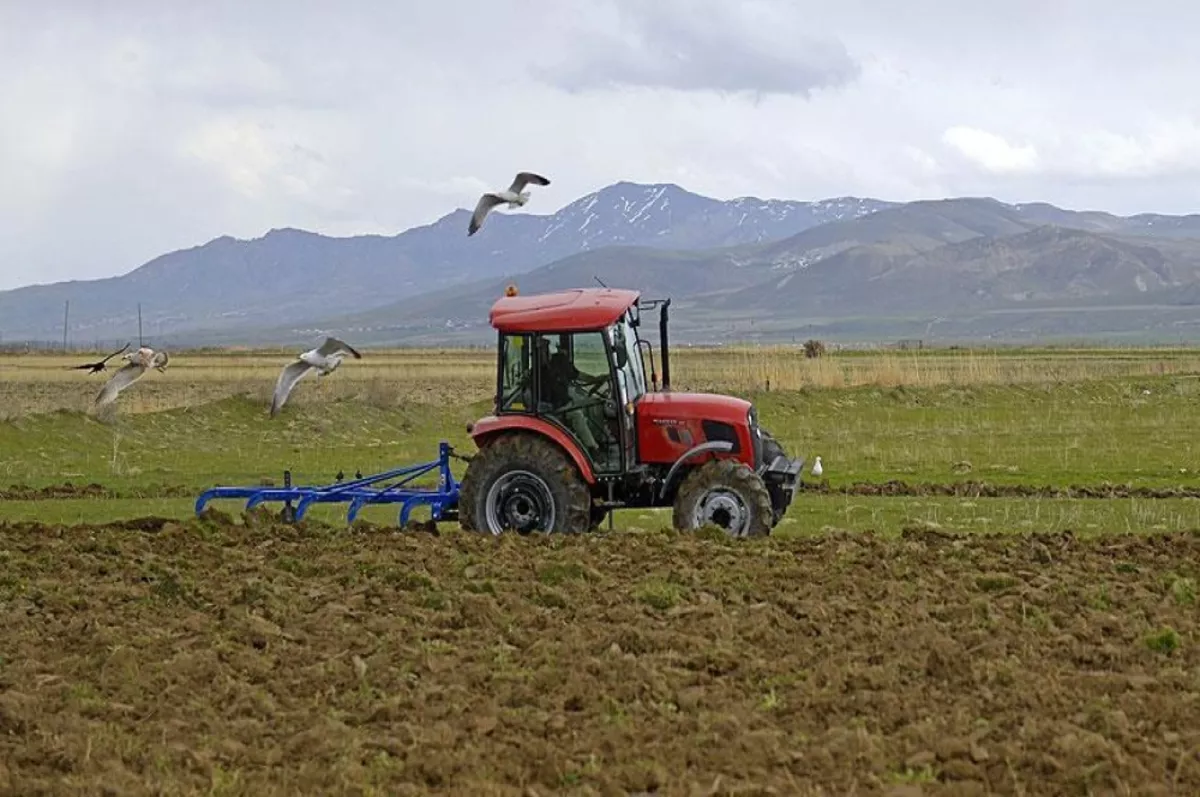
515 196
138 363
325 358
100 365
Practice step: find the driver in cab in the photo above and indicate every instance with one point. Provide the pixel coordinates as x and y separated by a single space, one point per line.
563 385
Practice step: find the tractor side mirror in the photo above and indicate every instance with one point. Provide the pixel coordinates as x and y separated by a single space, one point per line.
622 356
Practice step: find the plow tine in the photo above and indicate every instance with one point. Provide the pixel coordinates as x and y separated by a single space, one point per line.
304 504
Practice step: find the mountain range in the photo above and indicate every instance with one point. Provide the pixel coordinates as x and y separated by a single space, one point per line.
290 277
745 268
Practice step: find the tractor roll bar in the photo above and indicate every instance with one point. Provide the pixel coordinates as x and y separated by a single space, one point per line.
662 342
663 316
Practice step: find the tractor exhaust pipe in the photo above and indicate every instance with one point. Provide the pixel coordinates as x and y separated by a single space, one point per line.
662 342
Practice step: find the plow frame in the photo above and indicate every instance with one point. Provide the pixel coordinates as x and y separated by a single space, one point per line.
358 493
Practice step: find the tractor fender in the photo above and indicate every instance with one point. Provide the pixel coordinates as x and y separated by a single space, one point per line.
485 429
712 445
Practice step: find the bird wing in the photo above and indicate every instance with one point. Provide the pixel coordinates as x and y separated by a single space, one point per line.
98 366
333 345
160 360
525 178
115 353
122 379
288 378
486 203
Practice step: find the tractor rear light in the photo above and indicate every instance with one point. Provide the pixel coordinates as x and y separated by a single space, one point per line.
629 408
511 290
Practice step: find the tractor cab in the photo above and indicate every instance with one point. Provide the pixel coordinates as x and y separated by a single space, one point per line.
578 429
575 361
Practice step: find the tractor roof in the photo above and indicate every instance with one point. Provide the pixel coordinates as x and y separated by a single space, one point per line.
565 311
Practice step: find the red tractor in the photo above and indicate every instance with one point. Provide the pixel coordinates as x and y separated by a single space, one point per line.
577 430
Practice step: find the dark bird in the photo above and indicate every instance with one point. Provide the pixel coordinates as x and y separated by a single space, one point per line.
102 365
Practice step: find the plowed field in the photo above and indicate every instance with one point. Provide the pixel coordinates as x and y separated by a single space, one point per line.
212 657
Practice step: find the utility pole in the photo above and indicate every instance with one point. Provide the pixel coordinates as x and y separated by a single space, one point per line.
140 344
66 320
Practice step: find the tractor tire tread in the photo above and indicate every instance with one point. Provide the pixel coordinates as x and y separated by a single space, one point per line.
534 453
770 447
731 474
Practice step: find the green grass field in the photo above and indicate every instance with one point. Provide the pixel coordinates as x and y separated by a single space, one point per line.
1038 418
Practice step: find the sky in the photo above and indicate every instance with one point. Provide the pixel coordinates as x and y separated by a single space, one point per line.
132 128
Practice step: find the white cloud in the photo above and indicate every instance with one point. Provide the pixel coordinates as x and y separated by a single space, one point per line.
1161 149
990 151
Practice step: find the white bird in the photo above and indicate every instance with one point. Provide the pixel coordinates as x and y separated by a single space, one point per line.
817 470
325 359
137 363
515 196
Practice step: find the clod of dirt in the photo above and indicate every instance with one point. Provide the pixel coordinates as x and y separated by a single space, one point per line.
425 526
148 524
67 490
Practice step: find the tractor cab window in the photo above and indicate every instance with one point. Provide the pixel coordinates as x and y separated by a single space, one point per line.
630 370
516 370
575 390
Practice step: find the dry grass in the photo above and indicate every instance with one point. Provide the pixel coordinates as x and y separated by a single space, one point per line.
786 367
43 383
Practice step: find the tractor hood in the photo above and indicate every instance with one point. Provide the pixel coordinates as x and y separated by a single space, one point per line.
693 406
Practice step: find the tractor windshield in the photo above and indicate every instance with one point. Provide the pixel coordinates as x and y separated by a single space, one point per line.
631 373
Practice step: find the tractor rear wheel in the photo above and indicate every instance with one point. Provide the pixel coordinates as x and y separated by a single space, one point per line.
727 494
523 483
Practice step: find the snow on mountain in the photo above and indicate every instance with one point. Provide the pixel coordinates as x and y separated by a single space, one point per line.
665 215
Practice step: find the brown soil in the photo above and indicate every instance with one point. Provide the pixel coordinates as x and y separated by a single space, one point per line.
22 492
253 659
975 489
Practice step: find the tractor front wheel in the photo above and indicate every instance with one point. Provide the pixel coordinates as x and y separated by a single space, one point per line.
727 494
770 448
523 483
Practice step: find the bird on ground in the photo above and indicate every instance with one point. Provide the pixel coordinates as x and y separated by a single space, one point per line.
325 359
515 197
817 470
138 363
99 365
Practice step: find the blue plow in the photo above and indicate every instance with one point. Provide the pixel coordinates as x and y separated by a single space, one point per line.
441 500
